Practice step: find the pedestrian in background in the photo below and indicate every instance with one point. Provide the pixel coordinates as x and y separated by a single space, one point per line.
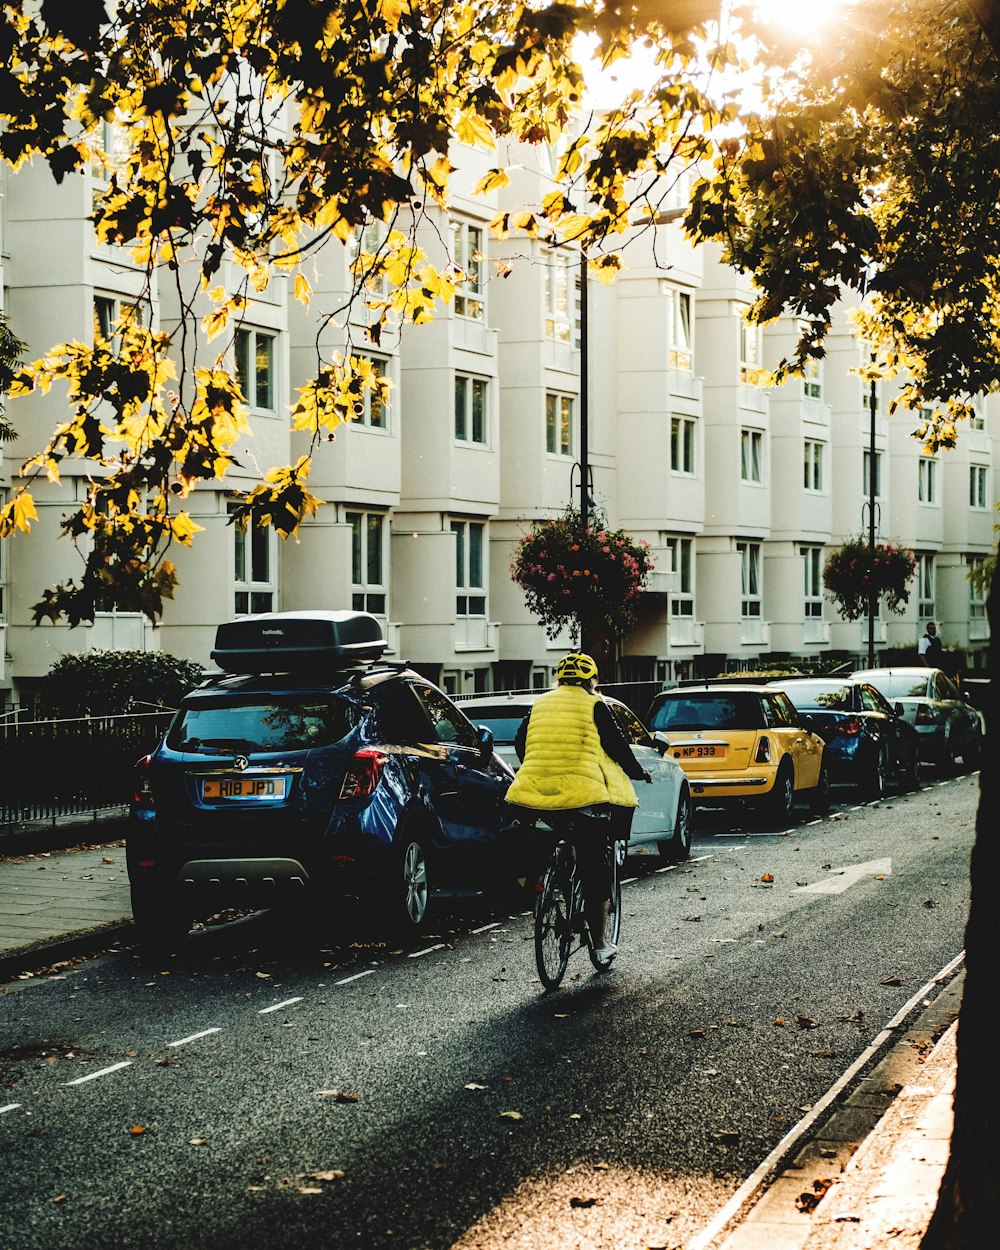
931 648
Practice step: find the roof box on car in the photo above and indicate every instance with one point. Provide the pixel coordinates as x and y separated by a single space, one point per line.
297 642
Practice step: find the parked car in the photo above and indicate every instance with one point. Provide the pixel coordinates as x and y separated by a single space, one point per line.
743 742
950 728
661 822
306 764
868 742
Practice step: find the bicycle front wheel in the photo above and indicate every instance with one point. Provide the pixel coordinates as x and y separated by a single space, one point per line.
614 927
553 929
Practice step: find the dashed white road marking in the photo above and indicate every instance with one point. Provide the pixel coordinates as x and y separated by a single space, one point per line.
357 976
496 924
11 1106
439 946
92 1076
278 1006
182 1041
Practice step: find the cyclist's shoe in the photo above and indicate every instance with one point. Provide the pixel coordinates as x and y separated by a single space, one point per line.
604 954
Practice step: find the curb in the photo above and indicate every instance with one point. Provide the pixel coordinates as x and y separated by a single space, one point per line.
44 953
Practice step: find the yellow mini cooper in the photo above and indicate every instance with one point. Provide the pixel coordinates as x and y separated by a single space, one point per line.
743 742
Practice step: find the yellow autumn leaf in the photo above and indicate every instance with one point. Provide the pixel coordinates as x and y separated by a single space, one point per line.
303 290
472 129
492 181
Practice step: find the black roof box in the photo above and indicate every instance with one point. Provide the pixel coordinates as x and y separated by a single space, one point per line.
297 642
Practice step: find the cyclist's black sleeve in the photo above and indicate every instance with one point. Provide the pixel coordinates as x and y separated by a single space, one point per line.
614 741
521 738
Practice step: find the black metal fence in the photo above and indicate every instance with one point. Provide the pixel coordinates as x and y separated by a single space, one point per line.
52 768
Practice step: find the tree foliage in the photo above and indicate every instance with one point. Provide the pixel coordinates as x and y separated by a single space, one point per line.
251 134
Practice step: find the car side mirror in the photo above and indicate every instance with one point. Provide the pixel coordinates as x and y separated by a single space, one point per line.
806 721
661 742
899 710
484 740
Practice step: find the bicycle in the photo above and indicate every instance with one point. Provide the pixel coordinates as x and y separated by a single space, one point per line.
561 926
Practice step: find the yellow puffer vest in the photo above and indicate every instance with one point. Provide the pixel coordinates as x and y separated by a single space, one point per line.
565 765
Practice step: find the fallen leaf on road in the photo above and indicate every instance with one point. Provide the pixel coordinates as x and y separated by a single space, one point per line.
767 876
331 1174
136 1129
339 1095
696 1032
780 1020
60 1198
806 1022
198 1141
511 1115
106 859
473 1085
892 981
583 1202
263 975
309 1189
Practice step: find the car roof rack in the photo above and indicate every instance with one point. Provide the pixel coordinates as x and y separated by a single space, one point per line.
298 642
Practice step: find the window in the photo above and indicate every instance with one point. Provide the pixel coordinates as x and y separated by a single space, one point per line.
681 354
109 156
977 486
374 411
812 383
866 475
925 585
255 368
750 352
470 598
467 254
812 567
369 241
749 579
977 590
559 424
368 579
560 286
751 455
470 409
927 481
108 312
812 465
976 420
449 724
682 564
682 436
254 558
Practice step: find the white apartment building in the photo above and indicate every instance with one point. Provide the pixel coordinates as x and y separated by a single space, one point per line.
740 490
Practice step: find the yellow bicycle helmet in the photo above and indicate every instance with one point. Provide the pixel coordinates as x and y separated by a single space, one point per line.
576 667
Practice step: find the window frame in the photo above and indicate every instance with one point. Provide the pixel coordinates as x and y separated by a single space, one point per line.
977 594
470 384
369 583
751 456
751 349
559 425
471 596
978 486
560 283
927 481
814 465
812 569
254 551
469 258
683 445
680 548
751 598
253 337
681 330
926 585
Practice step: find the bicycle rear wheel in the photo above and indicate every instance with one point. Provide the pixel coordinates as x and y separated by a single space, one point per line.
553 929
614 926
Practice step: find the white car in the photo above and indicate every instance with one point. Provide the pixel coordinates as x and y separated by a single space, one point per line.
662 821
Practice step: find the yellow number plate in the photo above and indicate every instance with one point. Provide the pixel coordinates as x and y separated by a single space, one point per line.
702 752
244 788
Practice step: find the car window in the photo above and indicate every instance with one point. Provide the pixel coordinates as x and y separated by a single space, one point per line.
261 723
502 719
900 685
945 688
708 711
631 726
781 709
872 701
448 723
812 695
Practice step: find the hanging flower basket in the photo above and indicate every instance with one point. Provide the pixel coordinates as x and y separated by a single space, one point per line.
571 572
856 571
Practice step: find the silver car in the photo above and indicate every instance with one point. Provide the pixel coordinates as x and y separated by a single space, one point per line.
661 823
950 728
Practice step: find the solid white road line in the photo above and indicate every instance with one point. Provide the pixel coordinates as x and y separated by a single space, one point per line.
11 1106
182 1041
92 1076
278 1006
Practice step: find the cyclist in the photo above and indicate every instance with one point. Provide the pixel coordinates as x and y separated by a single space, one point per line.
574 756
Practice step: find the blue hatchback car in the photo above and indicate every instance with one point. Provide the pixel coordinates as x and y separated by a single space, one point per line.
868 741
307 763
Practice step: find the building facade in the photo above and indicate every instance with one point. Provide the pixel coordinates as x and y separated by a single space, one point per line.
740 490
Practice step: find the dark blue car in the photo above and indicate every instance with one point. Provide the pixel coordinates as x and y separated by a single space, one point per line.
309 764
869 744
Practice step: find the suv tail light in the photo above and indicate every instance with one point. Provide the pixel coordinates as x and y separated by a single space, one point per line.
141 792
763 753
850 727
363 774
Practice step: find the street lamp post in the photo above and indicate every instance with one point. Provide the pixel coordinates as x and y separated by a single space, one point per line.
584 418
872 592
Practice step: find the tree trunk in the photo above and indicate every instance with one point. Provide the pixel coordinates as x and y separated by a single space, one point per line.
967 1215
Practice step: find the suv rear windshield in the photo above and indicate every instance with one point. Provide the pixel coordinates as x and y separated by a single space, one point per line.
261 723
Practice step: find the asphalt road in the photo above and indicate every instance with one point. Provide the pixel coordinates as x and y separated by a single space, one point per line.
264 1089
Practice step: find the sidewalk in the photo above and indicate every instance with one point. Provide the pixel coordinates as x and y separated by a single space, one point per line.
863 1177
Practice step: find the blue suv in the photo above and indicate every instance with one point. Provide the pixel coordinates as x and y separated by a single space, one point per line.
306 763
